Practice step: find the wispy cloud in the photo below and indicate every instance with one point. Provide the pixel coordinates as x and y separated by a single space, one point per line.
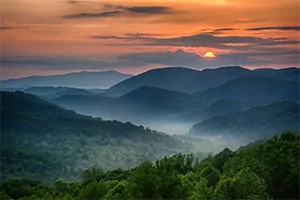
261 57
177 58
3 28
218 31
280 28
93 15
204 40
149 9
225 29
121 10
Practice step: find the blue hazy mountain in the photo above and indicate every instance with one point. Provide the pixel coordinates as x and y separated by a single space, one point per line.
103 79
192 81
291 74
55 92
147 104
255 123
178 79
141 105
252 88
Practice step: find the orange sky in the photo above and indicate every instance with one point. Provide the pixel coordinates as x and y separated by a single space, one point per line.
58 36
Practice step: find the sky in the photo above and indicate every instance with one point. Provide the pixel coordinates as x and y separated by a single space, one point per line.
39 37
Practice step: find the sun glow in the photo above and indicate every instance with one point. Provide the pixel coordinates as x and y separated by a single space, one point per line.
209 55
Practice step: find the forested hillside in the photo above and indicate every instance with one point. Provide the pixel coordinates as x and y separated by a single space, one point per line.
268 170
256 123
42 141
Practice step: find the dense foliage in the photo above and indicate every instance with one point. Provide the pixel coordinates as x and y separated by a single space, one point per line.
268 170
42 141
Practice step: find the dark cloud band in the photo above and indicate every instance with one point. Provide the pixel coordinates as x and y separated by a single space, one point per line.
122 10
280 28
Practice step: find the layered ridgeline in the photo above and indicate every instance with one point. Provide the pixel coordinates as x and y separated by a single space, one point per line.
104 79
256 123
56 92
157 107
266 170
192 81
43 141
144 105
163 99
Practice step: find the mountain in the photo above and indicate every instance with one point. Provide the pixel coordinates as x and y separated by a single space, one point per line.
160 108
173 78
255 123
192 81
55 92
157 100
219 108
43 141
251 88
291 74
145 104
178 79
92 105
209 78
104 79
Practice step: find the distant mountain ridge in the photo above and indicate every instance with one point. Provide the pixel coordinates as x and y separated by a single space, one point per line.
143 104
256 123
152 103
84 79
191 81
147 98
252 87
55 92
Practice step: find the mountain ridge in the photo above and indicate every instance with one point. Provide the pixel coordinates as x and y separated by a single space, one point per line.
83 79
255 123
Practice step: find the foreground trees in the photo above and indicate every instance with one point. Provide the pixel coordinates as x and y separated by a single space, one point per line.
268 170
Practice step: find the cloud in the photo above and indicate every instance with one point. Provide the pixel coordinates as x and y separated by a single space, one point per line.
225 29
122 10
149 9
57 62
204 40
142 35
72 2
93 15
227 42
3 28
181 58
178 58
280 28
217 31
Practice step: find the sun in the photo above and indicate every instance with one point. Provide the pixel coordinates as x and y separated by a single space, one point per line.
209 55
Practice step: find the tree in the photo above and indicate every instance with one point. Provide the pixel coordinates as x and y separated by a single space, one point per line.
196 187
211 174
96 190
119 192
244 185
144 182
92 174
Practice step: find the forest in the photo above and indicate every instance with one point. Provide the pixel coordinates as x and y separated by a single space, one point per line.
261 170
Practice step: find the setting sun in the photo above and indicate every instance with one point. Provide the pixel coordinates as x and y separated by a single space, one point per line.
209 55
